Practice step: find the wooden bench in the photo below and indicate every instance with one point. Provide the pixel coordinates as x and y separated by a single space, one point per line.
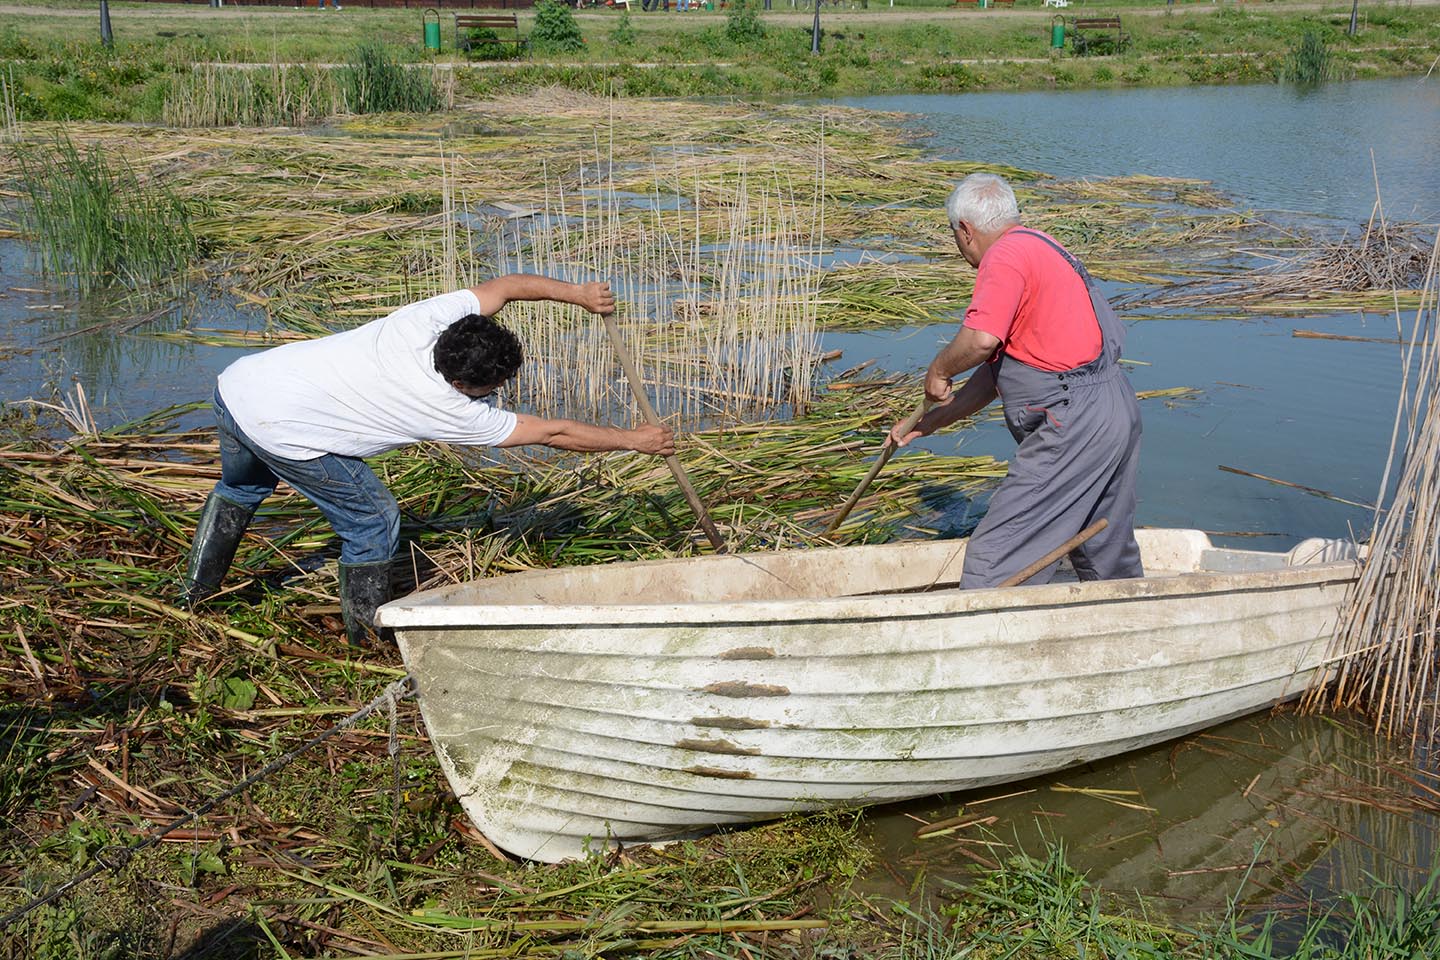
501 29
972 4
1102 32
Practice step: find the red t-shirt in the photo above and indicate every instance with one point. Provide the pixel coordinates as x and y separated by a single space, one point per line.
1030 298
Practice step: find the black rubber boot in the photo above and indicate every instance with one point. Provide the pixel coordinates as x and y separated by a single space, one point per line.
217 535
363 588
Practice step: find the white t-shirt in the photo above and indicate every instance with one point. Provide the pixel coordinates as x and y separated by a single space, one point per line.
363 391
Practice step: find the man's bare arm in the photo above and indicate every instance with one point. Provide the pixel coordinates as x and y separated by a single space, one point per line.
589 437
970 348
972 397
493 294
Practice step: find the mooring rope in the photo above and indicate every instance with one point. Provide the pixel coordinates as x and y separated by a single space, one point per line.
114 858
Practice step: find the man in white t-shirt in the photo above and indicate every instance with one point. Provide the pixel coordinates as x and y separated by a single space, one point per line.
309 413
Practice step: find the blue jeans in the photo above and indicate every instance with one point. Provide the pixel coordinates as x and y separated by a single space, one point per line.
364 514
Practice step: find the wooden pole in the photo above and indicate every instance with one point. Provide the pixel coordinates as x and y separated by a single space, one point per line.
884 458
637 387
1057 553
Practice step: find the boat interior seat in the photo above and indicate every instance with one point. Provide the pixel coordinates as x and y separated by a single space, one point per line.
1313 550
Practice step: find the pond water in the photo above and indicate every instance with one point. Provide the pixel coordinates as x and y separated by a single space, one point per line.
1243 807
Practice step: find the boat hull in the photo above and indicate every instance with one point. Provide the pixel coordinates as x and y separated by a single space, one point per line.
725 690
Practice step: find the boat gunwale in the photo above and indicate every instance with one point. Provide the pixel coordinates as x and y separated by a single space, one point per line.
427 608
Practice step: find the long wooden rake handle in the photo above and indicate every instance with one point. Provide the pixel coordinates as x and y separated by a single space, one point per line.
906 426
637 387
1057 553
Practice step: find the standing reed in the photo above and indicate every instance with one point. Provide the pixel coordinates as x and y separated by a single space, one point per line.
716 295
217 95
96 223
1387 638
374 82
9 122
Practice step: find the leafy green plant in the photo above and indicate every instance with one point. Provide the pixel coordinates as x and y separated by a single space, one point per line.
555 29
624 34
96 223
743 24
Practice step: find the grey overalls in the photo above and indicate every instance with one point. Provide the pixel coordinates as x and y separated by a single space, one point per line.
1079 436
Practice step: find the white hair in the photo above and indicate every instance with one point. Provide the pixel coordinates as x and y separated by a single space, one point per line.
984 201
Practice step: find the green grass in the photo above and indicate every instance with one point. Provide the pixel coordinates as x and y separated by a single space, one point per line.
63 73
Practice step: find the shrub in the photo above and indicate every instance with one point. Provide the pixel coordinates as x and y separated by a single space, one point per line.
624 33
742 23
555 29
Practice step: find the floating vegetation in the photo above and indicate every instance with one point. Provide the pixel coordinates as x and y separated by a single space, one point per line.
97 223
1388 641
1386 261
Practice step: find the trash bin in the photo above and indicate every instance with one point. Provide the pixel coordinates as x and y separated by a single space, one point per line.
1057 32
431 29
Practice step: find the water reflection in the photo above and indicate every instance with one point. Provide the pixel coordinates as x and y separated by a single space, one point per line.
1269 811
51 341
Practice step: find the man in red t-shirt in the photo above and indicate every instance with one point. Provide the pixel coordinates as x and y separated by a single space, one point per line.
1040 336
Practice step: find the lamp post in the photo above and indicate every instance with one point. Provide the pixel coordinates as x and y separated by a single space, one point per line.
106 37
1354 18
815 30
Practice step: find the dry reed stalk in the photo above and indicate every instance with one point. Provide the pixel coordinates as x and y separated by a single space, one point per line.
716 298
1385 260
1386 640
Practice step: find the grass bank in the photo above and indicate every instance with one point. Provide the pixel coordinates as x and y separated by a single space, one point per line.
60 70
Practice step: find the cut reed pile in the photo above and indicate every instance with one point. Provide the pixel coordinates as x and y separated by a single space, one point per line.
1381 269
120 709
1388 641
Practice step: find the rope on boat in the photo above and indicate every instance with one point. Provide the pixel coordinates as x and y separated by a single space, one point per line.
115 858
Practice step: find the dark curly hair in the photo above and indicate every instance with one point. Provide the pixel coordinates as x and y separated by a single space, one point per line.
478 352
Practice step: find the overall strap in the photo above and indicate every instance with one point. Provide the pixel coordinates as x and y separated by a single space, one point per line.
1069 258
